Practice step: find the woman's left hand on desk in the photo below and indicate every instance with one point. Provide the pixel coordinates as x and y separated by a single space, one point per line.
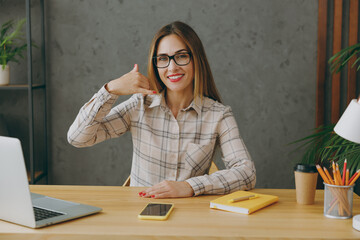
168 189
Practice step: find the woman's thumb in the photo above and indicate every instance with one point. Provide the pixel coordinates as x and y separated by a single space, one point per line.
136 68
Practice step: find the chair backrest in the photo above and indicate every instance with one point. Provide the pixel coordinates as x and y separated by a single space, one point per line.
213 168
127 182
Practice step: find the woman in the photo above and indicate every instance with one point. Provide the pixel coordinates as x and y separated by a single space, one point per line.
176 120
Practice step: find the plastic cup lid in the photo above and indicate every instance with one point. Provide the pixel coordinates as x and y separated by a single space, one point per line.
308 168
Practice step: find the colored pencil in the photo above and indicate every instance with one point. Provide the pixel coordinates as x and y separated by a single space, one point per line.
344 172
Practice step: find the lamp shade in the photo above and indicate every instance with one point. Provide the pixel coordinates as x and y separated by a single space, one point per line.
348 126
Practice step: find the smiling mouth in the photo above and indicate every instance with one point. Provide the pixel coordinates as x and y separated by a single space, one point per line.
175 78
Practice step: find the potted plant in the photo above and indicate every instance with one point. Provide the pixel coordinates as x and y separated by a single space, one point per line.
11 47
324 146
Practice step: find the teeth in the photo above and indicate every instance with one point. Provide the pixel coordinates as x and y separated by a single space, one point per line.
175 77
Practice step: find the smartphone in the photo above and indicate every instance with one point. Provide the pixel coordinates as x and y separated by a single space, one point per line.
156 211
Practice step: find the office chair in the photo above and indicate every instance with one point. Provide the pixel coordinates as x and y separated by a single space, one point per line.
213 168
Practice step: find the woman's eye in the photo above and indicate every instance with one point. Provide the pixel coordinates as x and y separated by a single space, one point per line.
162 58
182 56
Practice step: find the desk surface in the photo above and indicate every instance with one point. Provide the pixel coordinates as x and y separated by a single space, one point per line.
191 219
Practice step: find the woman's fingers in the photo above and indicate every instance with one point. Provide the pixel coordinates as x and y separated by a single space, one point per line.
143 85
146 92
141 81
169 189
154 190
136 68
130 83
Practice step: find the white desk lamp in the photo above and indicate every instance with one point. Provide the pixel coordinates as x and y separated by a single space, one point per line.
348 127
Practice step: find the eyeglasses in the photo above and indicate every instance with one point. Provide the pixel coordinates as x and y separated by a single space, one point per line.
181 59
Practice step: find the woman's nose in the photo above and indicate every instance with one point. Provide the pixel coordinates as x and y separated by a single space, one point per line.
172 64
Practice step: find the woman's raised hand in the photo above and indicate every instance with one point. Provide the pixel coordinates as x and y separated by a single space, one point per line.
130 83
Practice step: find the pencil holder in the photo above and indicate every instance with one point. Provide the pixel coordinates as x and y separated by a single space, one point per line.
338 201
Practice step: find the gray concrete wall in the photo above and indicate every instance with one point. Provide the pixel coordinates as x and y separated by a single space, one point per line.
262 54
14 103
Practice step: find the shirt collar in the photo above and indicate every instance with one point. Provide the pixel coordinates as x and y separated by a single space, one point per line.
159 100
196 105
156 100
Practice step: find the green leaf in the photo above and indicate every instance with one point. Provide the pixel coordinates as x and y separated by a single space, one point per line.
339 60
12 41
323 146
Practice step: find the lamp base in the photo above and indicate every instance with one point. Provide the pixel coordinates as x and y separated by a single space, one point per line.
356 222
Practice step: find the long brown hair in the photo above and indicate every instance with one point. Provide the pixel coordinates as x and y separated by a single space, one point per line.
204 84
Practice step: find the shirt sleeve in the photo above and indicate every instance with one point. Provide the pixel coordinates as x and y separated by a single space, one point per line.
97 121
240 171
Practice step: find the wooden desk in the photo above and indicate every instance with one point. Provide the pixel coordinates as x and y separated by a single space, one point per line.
191 219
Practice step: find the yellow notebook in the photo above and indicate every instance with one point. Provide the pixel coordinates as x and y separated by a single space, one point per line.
244 206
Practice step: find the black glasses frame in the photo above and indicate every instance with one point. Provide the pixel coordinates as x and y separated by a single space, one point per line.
173 58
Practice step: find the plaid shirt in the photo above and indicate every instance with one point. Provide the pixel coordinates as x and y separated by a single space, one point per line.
165 148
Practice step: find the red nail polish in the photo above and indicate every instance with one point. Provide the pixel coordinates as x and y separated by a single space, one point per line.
152 196
154 91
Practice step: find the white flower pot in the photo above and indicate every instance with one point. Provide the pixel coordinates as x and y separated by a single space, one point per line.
4 75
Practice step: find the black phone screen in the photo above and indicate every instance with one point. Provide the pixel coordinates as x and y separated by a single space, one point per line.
156 209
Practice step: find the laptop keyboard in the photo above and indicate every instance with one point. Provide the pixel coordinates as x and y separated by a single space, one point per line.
41 214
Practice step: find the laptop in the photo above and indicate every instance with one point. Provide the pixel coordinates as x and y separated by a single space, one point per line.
18 205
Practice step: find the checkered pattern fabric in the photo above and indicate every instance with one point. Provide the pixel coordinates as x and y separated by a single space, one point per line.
165 148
